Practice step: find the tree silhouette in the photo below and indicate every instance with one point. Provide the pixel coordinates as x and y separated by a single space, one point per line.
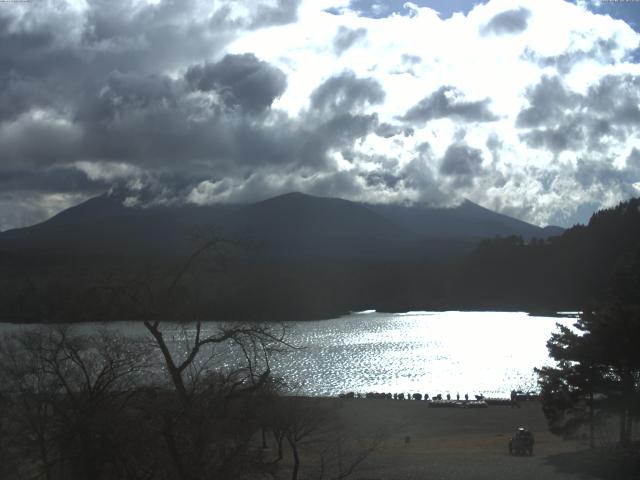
598 370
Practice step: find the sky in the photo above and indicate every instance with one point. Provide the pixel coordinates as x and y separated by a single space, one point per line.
529 108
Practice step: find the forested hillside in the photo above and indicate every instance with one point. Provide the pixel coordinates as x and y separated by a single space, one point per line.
566 271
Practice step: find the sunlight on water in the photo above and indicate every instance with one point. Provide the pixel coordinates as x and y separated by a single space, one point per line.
425 352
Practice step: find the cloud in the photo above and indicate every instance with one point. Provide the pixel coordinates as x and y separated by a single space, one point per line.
64 180
240 80
419 176
463 164
507 22
447 102
632 162
559 119
346 37
268 15
345 92
604 51
386 130
547 101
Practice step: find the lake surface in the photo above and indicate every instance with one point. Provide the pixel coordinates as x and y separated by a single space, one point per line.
426 352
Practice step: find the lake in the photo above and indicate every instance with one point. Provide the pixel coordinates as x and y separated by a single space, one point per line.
487 353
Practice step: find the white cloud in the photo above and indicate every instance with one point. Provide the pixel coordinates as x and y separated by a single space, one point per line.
454 52
108 171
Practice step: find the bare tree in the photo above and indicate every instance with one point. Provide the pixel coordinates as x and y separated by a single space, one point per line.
214 370
300 419
313 426
64 392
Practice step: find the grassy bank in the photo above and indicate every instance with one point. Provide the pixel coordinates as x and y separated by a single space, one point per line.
456 443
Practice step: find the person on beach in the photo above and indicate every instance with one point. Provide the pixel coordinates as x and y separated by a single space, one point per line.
514 399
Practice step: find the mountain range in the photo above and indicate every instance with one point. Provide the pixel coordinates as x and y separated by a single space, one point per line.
290 226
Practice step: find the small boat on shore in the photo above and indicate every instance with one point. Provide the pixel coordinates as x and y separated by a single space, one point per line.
458 404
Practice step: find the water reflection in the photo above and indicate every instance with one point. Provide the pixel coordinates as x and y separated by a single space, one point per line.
426 352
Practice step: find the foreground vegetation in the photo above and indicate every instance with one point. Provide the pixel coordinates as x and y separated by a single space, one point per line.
106 406
183 404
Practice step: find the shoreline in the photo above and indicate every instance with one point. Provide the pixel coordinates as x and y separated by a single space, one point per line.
529 312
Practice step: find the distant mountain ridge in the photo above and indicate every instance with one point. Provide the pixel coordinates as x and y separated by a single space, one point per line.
466 220
286 226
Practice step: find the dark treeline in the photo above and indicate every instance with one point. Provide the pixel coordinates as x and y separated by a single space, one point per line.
560 273
597 373
243 291
564 272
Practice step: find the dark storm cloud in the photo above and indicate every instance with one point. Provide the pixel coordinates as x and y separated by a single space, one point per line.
558 119
345 92
50 180
445 102
38 141
462 163
547 100
568 136
418 175
386 130
342 129
19 94
241 80
65 49
381 178
126 84
162 124
601 173
508 22
106 65
346 37
617 97
157 122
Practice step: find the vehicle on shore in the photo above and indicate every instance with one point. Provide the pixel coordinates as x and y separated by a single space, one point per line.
521 443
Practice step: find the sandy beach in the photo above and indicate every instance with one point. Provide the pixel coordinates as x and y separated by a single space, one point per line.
458 443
